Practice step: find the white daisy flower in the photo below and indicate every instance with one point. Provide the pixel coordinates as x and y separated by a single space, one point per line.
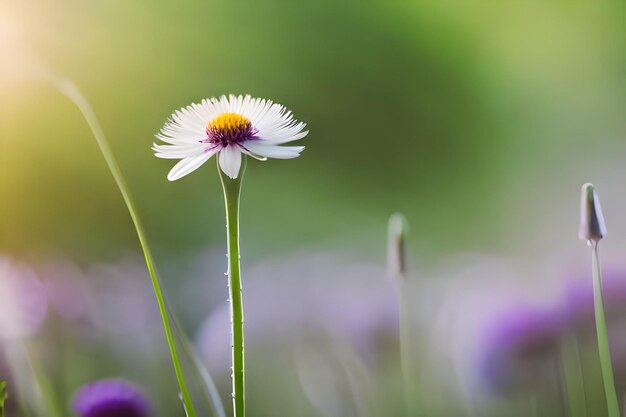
228 127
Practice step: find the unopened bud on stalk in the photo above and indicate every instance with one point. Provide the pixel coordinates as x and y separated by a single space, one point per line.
592 227
396 250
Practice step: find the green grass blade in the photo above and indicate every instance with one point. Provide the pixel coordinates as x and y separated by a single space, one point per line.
573 376
67 88
3 396
211 396
603 338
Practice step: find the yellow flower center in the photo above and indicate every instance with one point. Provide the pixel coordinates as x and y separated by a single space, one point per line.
229 129
229 122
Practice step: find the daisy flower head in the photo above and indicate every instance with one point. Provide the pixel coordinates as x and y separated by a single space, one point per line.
228 127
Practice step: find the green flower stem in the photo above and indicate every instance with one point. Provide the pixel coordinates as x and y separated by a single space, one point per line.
72 92
232 188
603 339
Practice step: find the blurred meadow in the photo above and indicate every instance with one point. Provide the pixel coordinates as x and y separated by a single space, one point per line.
478 121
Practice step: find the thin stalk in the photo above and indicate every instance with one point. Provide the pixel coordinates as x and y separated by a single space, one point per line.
232 189
397 269
573 377
405 350
602 333
71 91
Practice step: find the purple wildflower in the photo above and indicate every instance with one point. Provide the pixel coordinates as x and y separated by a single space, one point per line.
23 301
67 289
360 310
111 398
579 312
578 299
515 342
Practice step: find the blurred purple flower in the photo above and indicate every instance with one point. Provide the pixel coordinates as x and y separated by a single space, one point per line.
578 299
23 301
123 302
111 398
517 344
67 289
349 300
579 312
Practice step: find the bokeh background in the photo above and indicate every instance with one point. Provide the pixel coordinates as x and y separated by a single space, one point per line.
479 121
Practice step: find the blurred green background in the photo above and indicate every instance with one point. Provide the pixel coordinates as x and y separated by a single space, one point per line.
451 113
478 120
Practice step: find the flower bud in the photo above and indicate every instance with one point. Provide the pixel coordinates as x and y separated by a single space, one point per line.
592 227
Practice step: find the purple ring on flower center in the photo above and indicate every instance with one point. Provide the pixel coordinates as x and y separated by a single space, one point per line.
229 129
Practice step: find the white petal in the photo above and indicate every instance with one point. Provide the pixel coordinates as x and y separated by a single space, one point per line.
187 165
177 151
176 138
230 161
186 125
185 134
281 137
256 109
251 154
272 151
223 105
193 116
